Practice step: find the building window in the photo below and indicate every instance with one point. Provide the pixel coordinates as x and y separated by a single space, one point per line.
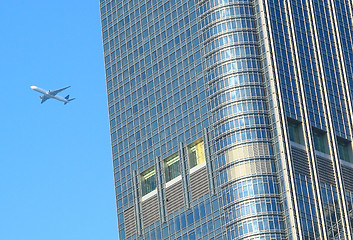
344 150
172 167
320 141
196 153
295 131
148 181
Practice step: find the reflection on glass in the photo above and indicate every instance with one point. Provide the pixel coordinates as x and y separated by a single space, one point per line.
344 150
320 141
196 154
295 132
172 168
148 181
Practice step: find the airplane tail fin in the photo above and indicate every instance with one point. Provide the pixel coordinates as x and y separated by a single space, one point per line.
67 98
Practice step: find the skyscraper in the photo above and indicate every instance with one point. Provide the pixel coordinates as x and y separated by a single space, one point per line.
231 119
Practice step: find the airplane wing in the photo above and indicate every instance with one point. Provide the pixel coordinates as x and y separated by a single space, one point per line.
53 93
44 98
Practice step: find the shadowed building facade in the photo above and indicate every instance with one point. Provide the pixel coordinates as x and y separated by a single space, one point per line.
231 119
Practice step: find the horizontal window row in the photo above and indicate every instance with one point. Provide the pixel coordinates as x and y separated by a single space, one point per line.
265 224
235 80
239 10
126 151
235 66
196 156
295 131
238 108
253 207
242 136
235 38
237 94
249 188
141 106
231 53
208 5
236 24
244 121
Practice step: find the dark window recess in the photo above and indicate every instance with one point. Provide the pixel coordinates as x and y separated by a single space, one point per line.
320 141
295 131
344 150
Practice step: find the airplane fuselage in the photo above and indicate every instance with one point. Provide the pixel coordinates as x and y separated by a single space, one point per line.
49 94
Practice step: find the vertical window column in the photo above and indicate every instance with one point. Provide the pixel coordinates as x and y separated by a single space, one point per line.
185 176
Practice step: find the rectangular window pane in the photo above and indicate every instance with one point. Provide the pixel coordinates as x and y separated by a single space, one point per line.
172 168
295 132
344 150
148 181
196 154
320 141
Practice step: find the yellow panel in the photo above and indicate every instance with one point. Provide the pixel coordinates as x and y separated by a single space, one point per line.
200 152
249 168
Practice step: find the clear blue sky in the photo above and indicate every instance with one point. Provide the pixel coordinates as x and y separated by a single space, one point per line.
56 176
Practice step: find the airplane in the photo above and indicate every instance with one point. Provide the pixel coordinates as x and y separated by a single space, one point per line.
52 94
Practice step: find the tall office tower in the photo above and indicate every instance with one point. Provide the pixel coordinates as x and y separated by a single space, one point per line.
231 119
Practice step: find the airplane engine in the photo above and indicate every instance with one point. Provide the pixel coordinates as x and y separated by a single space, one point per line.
40 97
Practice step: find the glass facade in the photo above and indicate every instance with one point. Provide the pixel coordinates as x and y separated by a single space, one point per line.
196 153
148 181
231 119
172 168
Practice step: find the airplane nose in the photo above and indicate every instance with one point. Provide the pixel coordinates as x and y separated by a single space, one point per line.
33 87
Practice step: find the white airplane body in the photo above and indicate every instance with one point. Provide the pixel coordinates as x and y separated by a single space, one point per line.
52 94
